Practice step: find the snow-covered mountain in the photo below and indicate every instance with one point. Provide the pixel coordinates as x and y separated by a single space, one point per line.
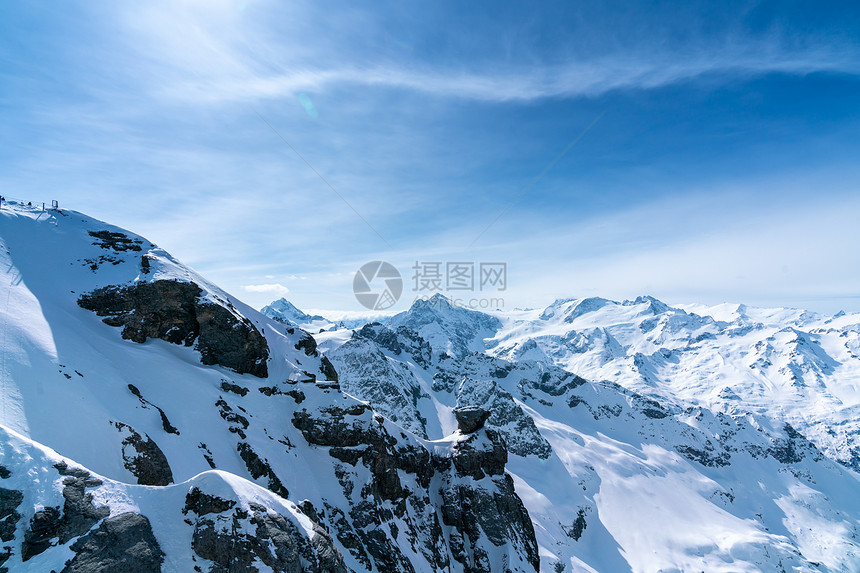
788 365
598 465
152 422
284 311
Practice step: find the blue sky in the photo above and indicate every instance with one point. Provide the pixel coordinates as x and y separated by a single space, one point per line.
723 165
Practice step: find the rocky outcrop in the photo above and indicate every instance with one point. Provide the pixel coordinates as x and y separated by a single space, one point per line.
259 468
49 526
474 511
380 365
143 458
399 488
234 539
175 312
10 499
121 544
470 418
391 389
115 241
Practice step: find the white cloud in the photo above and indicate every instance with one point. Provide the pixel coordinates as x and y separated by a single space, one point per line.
271 288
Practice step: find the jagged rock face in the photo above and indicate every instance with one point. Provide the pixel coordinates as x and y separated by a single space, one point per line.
173 311
470 418
369 374
499 515
308 345
448 328
121 544
49 526
379 365
144 458
473 510
236 540
488 526
10 499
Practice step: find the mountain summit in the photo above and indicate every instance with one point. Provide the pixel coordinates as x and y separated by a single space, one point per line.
284 311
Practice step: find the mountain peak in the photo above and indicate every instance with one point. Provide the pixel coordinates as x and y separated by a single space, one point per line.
284 311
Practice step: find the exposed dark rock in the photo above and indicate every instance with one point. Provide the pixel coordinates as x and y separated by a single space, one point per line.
706 456
327 369
207 454
794 448
10 499
307 344
44 526
236 544
477 455
4 473
358 438
78 516
651 408
397 341
576 529
355 439
165 422
500 515
79 513
173 311
238 422
234 388
259 467
202 503
444 382
115 241
470 418
347 536
296 395
556 382
121 544
393 390
384 337
143 458
96 262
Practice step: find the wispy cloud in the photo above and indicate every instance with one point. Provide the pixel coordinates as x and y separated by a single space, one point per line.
587 79
275 289
224 55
